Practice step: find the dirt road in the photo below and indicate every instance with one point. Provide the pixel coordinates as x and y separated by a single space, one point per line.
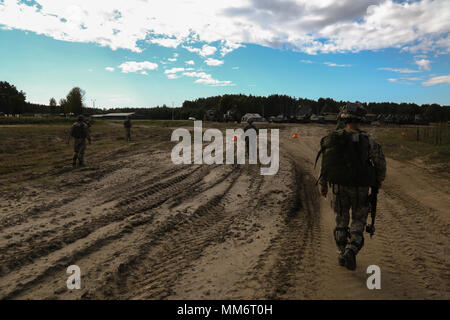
140 227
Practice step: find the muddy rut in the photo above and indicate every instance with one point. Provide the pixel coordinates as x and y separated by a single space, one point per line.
140 227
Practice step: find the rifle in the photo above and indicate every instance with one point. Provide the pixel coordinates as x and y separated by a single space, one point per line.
373 198
69 136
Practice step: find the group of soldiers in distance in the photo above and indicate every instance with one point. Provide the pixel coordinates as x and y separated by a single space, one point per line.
352 165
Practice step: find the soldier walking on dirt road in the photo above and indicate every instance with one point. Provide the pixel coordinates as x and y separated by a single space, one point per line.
80 132
127 126
352 162
249 126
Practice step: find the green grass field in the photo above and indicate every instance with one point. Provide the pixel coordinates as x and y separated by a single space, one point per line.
430 144
31 151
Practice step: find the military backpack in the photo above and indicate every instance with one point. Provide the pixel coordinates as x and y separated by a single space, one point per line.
79 130
345 159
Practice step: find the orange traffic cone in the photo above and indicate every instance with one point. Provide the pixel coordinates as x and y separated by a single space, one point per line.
295 135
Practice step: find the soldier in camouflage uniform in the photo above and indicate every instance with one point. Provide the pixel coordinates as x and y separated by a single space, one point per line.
127 126
340 122
249 126
80 132
351 240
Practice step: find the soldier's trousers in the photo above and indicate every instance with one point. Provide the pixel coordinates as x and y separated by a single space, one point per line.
78 150
344 199
127 134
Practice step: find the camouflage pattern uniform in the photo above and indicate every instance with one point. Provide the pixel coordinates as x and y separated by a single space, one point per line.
79 145
340 122
249 126
127 126
345 198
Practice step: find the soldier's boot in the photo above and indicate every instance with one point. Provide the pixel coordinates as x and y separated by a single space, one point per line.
350 259
81 160
341 259
341 235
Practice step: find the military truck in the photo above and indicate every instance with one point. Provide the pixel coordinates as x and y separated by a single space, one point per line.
303 114
330 117
317 118
211 115
232 115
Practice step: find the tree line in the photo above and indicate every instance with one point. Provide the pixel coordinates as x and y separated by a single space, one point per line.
13 101
274 105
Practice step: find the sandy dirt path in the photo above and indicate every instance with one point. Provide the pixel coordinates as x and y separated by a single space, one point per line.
140 227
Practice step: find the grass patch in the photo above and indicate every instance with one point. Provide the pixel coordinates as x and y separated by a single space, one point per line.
35 120
35 151
426 144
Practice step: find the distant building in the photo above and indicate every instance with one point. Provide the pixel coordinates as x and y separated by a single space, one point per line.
114 116
256 117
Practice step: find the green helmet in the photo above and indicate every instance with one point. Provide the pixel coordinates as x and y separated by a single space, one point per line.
80 118
352 112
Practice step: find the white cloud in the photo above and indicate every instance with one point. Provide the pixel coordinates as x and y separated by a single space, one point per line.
235 68
399 81
436 80
172 59
133 66
423 64
307 61
166 42
399 70
229 47
197 75
213 62
205 78
214 82
174 70
331 64
90 70
206 50
308 26
110 69
190 62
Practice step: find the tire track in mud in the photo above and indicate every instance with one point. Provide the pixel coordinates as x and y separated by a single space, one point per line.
126 228
161 191
161 258
32 212
290 257
298 246
420 261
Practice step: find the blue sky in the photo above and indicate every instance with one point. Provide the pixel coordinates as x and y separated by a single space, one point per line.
141 56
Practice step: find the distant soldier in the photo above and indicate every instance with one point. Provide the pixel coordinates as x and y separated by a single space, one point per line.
340 121
80 132
352 163
127 126
249 126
